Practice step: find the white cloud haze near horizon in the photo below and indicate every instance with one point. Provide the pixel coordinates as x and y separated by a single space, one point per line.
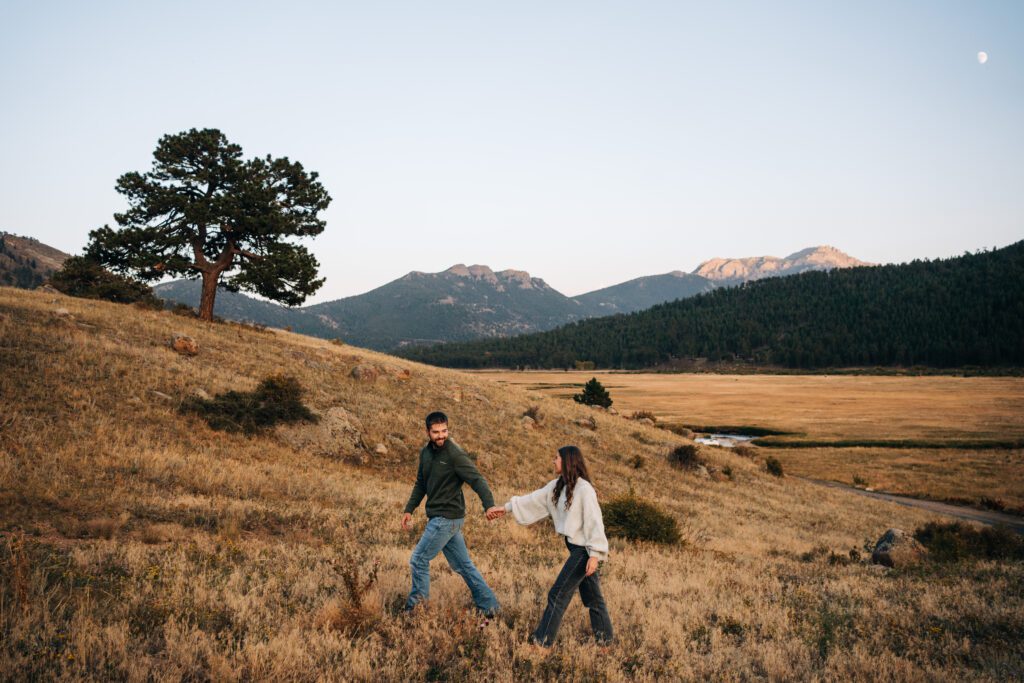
587 143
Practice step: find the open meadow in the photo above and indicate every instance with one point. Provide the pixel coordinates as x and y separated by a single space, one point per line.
969 413
140 544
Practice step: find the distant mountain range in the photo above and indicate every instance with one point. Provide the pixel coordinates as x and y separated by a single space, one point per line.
464 303
461 303
967 310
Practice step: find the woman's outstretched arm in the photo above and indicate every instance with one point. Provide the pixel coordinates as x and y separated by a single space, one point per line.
532 507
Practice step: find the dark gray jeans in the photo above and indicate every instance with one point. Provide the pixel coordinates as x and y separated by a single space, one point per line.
573 576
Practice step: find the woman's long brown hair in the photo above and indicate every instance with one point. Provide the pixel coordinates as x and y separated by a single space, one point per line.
573 469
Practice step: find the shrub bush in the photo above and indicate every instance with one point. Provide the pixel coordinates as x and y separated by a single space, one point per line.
773 466
277 399
641 414
992 504
745 451
678 429
635 519
956 541
686 456
86 278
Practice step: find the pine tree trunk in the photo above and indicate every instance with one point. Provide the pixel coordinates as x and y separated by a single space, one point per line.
209 294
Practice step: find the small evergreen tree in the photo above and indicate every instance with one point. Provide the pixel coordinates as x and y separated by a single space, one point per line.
594 394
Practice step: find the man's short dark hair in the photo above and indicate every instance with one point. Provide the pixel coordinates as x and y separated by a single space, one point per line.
436 418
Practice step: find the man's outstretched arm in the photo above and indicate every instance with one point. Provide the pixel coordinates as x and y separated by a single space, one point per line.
468 473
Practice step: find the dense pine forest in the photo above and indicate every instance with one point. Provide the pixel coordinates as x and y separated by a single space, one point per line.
967 310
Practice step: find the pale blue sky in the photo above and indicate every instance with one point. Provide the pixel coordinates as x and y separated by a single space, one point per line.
588 143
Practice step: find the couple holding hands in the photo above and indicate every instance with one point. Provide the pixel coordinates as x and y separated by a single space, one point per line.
570 500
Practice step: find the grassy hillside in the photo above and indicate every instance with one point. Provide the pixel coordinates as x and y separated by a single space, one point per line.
26 262
137 543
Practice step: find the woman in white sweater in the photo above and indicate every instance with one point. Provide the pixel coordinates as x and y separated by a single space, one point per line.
571 502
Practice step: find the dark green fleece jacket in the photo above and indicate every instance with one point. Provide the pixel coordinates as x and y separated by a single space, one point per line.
440 477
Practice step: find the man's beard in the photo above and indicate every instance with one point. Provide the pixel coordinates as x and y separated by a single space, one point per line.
435 444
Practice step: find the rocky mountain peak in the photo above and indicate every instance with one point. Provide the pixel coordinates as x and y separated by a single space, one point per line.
520 278
757 267
475 272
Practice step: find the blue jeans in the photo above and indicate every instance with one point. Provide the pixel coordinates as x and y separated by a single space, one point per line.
572 577
445 535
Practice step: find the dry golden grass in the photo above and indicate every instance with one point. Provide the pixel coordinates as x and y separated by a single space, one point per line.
140 545
817 406
934 409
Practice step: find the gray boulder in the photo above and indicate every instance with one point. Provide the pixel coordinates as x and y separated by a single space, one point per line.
897 548
337 434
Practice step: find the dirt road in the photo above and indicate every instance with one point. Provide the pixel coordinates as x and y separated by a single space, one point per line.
962 512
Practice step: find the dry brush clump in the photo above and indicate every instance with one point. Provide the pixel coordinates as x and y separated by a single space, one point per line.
636 519
686 456
277 399
139 543
956 541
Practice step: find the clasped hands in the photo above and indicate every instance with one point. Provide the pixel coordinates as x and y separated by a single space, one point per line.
492 514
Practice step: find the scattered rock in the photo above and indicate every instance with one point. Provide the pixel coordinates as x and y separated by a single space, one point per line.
646 421
897 548
528 422
612 411
365 372
48 289
62 313
160 394
381 449
702 472
338 433
716 474
403 375
586 422
457 394
200 394
184 344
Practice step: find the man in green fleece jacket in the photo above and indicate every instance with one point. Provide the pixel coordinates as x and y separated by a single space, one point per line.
443 469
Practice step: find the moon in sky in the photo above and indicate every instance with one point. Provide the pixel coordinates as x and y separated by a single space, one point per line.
982 57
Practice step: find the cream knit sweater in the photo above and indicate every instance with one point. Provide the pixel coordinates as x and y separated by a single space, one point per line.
581 523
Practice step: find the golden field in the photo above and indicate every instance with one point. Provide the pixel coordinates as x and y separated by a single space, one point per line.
841 407
138 544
